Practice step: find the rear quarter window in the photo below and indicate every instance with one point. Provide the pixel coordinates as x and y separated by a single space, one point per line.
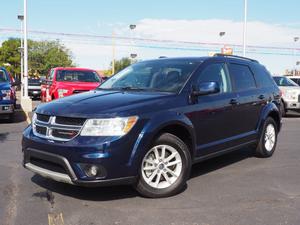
262 76
242 77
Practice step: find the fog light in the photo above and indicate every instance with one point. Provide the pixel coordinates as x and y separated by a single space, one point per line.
92 170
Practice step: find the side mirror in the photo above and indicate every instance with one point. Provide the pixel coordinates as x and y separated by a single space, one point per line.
207 88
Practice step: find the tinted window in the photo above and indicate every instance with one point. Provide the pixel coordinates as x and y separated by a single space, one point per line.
217 73
77 76
155 75
296 80
242 77
284 81
34 82
262 76
3 77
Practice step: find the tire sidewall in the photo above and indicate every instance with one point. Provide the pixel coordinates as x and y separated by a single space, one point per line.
264 152
171 140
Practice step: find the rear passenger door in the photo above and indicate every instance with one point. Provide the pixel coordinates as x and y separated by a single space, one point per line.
248 100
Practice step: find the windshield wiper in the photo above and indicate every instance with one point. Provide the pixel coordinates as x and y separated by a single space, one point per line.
129 88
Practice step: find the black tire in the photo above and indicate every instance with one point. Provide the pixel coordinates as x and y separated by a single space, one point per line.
148 191
282 109
261 150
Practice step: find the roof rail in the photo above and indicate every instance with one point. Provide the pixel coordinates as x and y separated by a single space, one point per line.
235 56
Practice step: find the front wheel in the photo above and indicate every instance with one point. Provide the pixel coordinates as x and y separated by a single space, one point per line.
165 167
268 139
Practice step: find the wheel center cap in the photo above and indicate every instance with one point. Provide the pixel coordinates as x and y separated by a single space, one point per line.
161 166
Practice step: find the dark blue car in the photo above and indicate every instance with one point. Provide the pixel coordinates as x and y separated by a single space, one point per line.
149 123
7 95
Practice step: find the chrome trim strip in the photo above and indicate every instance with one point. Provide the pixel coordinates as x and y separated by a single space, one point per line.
52 125
60 177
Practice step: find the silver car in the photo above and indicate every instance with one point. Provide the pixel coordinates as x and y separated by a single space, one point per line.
290 94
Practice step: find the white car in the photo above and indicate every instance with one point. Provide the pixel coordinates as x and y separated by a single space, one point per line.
290 93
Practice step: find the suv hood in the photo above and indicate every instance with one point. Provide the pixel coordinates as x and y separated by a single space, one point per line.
99 103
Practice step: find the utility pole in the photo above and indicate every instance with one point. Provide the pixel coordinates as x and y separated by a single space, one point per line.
245 27
26 102
21 18
113 54
295 69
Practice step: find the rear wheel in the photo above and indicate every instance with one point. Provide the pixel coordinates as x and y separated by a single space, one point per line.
282 109
268 139
165 167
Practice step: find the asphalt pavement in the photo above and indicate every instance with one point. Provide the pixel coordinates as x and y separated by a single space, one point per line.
232 189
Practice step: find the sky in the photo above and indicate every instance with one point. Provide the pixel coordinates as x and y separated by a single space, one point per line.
271 23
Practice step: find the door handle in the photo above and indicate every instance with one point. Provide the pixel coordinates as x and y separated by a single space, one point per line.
261 97
234 101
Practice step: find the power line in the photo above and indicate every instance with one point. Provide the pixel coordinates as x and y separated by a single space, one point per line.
162 41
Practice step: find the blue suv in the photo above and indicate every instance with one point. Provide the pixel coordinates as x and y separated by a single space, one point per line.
150 122
7 94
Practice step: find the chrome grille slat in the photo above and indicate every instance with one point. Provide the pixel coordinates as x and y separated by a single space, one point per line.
55 131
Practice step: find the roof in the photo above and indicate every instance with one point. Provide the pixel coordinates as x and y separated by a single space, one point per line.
73 68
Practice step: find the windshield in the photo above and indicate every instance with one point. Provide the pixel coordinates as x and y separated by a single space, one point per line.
284 81
3 77
156 75
77 76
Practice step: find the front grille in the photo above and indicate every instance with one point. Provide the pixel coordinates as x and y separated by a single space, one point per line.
41 130
48 165
298 98
64 134
57 128
42 117
69 121
79 91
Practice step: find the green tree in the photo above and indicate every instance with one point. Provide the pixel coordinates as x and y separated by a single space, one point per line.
42 56
10 54
121 64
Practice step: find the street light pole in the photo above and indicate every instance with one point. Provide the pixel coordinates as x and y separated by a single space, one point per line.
21 18
245 27
132 55
295 40
25 52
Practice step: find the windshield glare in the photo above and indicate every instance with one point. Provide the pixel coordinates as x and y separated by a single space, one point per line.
158 75
77 76
3 77
284 81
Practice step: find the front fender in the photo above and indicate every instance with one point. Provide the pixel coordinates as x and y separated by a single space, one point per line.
152 128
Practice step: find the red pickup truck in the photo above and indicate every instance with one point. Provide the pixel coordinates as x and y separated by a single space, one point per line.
65 81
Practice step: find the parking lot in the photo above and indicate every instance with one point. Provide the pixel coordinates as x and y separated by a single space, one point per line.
233 189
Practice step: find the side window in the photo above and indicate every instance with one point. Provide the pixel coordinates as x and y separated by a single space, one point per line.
242 77
216 72
51 75
262 76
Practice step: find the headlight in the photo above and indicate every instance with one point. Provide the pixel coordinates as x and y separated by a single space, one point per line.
7 94
108 127
292 95
61 92
33 120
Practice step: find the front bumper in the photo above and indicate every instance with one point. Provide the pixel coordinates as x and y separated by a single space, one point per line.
34 93
292 105
68 176
66 161
6 109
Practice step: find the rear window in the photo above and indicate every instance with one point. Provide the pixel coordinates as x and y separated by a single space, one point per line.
34 82
242 77
77 76
3 77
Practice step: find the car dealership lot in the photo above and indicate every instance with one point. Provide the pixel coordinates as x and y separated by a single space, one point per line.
233 189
